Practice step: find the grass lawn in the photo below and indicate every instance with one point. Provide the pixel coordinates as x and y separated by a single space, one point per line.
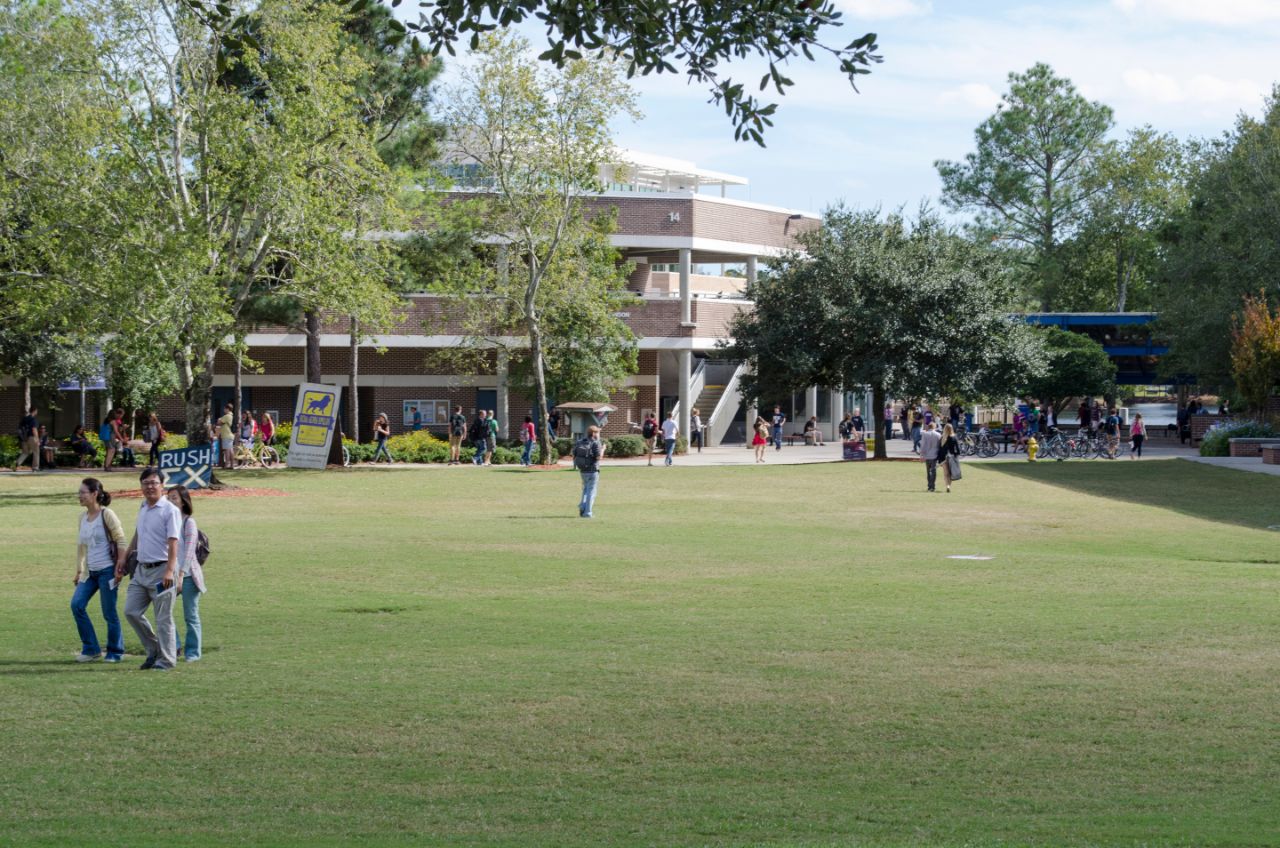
724 656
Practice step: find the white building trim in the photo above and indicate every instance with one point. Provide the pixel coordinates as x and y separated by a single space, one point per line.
436 342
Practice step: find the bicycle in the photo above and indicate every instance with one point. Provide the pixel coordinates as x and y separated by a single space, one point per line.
259 455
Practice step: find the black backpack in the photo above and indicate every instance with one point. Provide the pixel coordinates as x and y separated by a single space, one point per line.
584 454
650 429
202 546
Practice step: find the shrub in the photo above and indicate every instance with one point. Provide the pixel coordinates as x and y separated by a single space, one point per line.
283 433
417 447
564 446
8 450
359 452
622 446
1215 441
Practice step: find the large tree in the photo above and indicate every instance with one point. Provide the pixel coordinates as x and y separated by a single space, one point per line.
1223 245
1028 181
531 140
235 173
1077 366
650 37
908 308
1255 351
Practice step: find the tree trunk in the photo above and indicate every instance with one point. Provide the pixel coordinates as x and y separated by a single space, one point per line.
235 414
877 418
549 455
197 394
313 346
1124 271
26 395
353 381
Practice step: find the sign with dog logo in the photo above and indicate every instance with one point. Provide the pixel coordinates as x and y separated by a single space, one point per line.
315 420
191 467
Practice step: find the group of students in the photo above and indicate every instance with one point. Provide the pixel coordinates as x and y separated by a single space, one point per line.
228 434
669 430
164 559
38 449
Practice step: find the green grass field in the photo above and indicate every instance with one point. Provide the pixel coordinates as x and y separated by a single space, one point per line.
724 656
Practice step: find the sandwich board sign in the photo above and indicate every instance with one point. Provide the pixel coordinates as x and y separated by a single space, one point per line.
315 422
191 467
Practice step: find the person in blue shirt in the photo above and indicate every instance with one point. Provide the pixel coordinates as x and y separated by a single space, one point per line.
778 420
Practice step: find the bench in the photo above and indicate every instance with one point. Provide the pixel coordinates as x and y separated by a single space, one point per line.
791 440
1271 454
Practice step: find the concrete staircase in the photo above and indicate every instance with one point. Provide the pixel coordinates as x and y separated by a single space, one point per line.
706 402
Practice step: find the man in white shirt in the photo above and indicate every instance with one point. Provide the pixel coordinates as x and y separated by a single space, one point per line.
670 429
156 542
930 441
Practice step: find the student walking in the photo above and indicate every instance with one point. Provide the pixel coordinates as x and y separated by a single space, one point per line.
226 438
155 437
99 554
930 441
649 432
479 435
888 423
1111 427
190 578
527 439
492 444
586 458
29 440
156 542
457 428
670 429
1138 434
381 430
760 440
949 455
917 428
778 420
695 429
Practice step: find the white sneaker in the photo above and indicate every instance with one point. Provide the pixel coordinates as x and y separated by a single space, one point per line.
88 657
191 659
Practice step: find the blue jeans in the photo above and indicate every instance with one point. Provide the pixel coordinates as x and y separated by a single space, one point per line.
589 481
670 447
99 581
481 447
888 429
915 439
191 616
526 458
381 450
777 437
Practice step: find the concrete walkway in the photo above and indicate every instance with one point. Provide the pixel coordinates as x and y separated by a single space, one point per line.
1239 463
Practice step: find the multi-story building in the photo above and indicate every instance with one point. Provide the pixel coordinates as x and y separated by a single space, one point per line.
694 245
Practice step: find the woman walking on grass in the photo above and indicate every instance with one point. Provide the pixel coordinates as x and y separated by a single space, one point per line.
1138 435
761 438
527 439
190 578
101 550
948 452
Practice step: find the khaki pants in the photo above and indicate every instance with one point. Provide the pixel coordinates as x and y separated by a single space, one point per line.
30 448
161 643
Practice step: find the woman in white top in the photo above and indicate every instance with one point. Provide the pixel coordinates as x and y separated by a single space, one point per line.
190 578
695 428
102 547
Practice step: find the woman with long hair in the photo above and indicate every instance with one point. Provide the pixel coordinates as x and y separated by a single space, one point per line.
528 438
101 548
190 576
155 437
268 429
950 447
760 440
1138 435
381 430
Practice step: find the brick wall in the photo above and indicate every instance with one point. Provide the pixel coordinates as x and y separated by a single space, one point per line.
713 317
1200 425
743 224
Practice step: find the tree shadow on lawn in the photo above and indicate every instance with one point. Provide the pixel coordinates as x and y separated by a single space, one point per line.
1224 495
11 499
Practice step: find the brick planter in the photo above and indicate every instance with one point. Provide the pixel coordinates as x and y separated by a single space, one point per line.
1271 454
1250 446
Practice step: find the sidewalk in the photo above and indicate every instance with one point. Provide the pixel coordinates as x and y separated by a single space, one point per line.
1239 463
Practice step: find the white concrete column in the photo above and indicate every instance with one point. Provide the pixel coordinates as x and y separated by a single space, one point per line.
751 270
752 415
810 406
837 412
686 301
502 396
685 359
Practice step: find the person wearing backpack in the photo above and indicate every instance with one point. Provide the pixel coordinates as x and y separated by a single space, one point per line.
586 458
649 432
100 552
193 549
29 439
479 435
527 437
457 429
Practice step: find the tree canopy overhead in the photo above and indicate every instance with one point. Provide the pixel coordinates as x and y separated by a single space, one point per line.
696 39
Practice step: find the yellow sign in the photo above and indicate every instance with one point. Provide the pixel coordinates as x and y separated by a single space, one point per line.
314 424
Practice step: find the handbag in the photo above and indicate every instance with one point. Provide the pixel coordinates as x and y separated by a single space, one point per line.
953 465
112 548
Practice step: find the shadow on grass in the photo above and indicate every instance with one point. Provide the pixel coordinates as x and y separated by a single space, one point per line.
1223 495
11 499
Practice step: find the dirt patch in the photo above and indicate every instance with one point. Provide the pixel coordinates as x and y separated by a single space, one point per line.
223 492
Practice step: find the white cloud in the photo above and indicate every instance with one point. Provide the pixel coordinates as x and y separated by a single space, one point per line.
1201 89
1220 12
882 9
980 96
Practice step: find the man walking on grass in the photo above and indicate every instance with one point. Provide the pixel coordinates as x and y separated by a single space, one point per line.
930 441
480 436
670 430
457 428
586 458
29 440
156 543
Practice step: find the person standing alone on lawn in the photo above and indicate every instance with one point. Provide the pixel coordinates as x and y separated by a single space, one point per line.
100 553
156 541
930 442
670 430
457 427
586 458
778 420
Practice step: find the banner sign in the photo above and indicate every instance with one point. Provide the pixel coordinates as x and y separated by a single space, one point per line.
315 420
855 450
432 412
191 467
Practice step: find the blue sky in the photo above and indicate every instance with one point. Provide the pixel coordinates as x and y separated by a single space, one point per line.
1184 66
